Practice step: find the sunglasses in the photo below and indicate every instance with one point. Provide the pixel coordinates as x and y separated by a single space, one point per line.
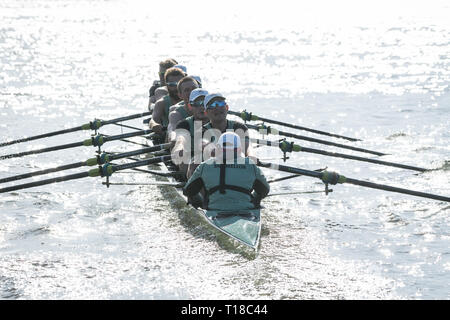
197 103
172 83
215 104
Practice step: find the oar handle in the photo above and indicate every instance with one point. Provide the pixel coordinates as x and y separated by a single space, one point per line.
142 163
108 169
163 146
128 135
130 117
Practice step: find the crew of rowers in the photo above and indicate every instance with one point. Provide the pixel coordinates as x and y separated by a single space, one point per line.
213 153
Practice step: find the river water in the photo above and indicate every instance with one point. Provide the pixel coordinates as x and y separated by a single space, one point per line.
379 72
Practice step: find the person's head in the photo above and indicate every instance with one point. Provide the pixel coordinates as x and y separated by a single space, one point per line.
196 99
180 66
199 80
185 87
163 66
171 77
228 146
215 106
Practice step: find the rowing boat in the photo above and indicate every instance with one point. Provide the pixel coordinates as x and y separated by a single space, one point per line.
243 226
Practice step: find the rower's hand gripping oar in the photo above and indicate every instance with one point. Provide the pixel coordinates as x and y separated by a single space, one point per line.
95 141
265 130
333 178
287 147
102 171
98 160
93 125
248 116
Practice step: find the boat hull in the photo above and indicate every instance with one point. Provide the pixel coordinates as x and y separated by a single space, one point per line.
244 226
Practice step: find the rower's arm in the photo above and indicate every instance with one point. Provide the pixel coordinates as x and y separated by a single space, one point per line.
195 182
249 151
174 119
179 156
181 138
180 144
160 93
158 112
150 102
261 186
151 94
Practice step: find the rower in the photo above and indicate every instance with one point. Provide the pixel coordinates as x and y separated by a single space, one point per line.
160 116
184 134
181 110
199 80
180 66
228 181
216 110
158 89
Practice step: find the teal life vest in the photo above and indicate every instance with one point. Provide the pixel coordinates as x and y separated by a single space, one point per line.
228 186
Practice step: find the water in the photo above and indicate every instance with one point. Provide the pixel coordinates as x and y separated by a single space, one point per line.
377 72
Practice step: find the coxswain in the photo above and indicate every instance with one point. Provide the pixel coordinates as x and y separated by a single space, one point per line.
228 181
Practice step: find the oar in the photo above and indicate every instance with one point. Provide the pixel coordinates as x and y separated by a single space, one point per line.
160 183
104 171
297 192
333 178
93 125
99 160
291 147
268 130
95 141
158 173
248 116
